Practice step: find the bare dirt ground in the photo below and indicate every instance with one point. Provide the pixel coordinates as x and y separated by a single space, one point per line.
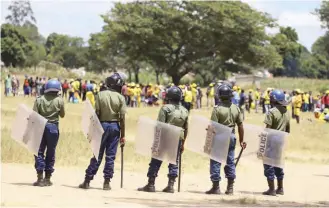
305 185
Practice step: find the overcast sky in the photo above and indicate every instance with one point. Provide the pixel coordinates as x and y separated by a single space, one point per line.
80 18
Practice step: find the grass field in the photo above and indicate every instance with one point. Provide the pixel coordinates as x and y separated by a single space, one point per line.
308 141
306 85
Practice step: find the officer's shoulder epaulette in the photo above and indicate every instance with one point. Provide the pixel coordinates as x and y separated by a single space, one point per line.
272 110
184 109
167 108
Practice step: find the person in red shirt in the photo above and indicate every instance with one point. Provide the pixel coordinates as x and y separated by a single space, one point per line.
65 87
84 90
325 99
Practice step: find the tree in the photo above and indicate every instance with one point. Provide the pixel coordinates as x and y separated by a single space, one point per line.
290 50
21 13
321 45
175 35
14 46
323 13
67 51
35 55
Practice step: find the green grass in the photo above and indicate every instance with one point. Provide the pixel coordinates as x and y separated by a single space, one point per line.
314 85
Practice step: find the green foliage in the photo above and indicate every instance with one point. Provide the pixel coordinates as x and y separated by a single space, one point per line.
297 61
323 13
66 51
14 46
176 35
152 41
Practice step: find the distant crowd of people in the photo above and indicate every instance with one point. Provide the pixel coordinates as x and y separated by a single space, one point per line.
137 95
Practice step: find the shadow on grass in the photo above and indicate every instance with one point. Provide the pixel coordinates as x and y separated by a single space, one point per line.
22 184
241 202
196 192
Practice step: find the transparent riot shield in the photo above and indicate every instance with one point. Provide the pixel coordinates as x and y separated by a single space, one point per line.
271 147
92 128
157 140
208 138
251 137
265 144
28 128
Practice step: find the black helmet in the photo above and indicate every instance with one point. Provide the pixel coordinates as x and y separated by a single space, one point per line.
174 93
225 92
115 81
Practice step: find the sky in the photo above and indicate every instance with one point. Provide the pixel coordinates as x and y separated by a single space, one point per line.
80 18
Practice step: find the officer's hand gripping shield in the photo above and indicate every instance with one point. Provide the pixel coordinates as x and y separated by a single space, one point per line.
92 128
208 138
28 128
157 140
267 144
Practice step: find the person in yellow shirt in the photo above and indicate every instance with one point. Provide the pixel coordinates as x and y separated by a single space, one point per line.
138 92
321 117
76 91
211 95
239 90
257 99
156 90
133 95
90 94
267 101
194 94
188 98
297 105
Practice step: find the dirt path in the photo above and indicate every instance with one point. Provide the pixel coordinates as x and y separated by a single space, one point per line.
305 185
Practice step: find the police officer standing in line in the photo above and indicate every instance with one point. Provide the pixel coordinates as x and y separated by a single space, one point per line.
277 118
50 106
175 114
110 108
228 114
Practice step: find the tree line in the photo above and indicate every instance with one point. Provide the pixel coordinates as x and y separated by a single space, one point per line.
209 39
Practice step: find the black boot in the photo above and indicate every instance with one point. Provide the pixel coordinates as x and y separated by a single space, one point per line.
85 184
149 187
271 190
280 187
229 189
40 181
297 119
170 187
214 189
47 180
106 184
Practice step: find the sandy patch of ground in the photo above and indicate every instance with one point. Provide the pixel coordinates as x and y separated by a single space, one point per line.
305 185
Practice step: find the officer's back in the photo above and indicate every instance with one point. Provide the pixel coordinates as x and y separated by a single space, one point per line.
278 118
109 105
174 114
226 113
50 106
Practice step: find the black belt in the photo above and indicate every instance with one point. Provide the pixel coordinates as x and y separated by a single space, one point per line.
52 122
109 121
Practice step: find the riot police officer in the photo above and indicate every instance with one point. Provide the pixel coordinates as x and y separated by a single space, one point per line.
50 106
175 114
228 114
110 108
